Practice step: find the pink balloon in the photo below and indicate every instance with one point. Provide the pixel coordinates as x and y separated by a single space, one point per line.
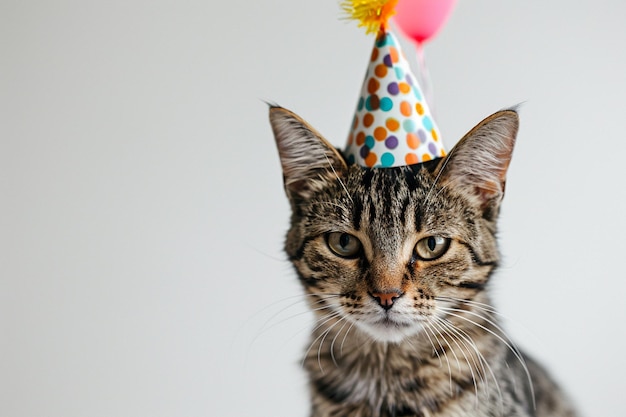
421 19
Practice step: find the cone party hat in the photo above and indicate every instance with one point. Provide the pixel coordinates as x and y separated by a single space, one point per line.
392 125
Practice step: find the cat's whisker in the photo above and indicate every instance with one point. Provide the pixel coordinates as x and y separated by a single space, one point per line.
344 338
305 328
271 305
321 343
483 360
428 326
485 368
322 321
436 180
510 345
332 343
329 203
266 327
466 343
435 350
300 314
332 167
484 363
447 342
454 339
469 344
475 303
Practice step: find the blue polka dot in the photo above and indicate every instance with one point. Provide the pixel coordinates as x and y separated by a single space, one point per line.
428 124
408 125
416 93
361 104
370 141
387 159
350 159
386 104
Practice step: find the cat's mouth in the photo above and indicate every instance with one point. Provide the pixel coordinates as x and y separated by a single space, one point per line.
388 329
388 322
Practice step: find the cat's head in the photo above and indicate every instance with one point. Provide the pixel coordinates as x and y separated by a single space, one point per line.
389 248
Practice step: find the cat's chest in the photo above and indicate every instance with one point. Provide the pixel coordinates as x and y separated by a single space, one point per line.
385 383
378 379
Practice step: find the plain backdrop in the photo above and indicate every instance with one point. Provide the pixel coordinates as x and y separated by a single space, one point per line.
142 213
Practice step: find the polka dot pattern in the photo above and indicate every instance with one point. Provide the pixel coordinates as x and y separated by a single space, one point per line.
392 125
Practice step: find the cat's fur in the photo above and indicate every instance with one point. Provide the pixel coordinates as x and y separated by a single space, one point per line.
397 334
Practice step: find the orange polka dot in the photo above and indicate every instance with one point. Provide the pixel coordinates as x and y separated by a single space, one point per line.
435 136
372 85
404 88
411 159
419 109
426 157
370 159
442 152
360 138
368 119
374 56
392 124
380 133
393 52
350 138
412 140
405 108
380 70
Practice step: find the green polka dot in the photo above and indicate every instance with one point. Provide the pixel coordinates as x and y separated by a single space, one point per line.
408 125
370 141
387 159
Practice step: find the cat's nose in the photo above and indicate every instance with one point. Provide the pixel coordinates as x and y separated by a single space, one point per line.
386 299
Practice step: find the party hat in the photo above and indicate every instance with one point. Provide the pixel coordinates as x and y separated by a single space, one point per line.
392 125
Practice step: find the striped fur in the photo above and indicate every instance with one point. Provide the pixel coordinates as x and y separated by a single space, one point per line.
434 346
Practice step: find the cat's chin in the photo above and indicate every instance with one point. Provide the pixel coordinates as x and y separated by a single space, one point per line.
390 331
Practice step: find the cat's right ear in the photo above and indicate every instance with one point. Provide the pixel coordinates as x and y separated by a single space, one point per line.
308 160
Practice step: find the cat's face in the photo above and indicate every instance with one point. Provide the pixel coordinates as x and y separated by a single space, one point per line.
389 249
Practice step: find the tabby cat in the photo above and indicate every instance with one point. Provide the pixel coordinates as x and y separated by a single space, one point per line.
396 264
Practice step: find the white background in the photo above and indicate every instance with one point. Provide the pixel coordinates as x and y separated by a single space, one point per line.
142 212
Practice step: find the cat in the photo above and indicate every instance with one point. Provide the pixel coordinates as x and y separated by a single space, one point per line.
396 264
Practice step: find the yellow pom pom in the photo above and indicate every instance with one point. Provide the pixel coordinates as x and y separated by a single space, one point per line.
372 14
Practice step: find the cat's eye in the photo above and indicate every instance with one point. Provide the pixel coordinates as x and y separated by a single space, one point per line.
431 247
343 244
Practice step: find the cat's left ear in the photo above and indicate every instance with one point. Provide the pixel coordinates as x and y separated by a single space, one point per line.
308 160
479 162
